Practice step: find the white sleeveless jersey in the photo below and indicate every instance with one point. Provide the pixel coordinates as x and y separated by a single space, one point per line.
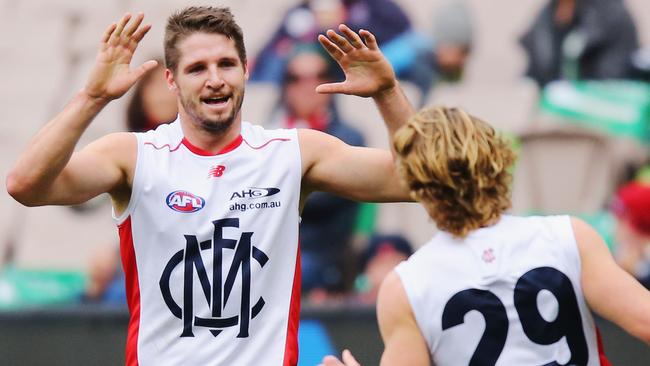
210 249
509 294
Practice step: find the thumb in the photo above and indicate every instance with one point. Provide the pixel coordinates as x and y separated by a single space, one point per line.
144 68
331 88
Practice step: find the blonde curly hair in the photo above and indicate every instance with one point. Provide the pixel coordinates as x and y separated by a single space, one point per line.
456 166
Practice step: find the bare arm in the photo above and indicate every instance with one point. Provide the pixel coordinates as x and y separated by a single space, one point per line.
610 291
358 173
48 172
329 164
367 74
403 341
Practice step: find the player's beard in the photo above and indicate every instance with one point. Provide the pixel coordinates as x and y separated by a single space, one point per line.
214 125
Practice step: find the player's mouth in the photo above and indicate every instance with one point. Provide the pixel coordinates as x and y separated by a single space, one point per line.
216 102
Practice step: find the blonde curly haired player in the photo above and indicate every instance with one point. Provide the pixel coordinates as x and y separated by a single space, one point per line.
491 288
456 166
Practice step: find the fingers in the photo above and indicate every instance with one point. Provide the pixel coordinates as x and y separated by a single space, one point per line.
128 31
348 359
125 31
340 41
108 32
120 27
369 39
331 88
351 36
139 34
330 47
347 42
331 361
338 45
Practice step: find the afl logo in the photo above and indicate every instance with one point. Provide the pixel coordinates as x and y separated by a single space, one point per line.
184 201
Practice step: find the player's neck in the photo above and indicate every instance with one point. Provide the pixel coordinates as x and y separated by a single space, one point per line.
210 141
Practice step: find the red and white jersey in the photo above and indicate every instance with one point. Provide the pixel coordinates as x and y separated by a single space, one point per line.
508 294
209 245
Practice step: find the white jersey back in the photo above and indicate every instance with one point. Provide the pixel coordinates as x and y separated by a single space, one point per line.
508 294
210 249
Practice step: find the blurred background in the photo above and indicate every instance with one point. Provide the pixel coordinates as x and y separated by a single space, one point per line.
566 80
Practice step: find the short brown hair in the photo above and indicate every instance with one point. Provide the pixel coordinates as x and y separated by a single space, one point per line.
458 166
205 19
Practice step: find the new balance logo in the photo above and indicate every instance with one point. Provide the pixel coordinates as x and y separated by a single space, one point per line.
216 171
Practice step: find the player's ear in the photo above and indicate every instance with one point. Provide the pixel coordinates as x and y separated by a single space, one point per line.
171 83
246 73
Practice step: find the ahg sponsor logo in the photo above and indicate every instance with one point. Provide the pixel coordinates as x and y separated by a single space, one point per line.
243 207
184 201
254 193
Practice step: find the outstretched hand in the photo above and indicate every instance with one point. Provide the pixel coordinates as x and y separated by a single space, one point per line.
367 72
111 75
348 360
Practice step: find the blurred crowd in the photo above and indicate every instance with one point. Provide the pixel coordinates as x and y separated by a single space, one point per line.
583 47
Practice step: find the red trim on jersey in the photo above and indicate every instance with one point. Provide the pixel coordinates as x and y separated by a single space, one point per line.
198 151
266 143
291 344
132 290
601 350
165 145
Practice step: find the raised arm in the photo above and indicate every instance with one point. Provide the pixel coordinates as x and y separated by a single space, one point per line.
367 74
329 164
48 171
358 173
610 291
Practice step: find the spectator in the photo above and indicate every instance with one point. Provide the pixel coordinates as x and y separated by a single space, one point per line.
580 39
328 221
382 254
105 278
151 104
632 209
415 57
305 21
426 61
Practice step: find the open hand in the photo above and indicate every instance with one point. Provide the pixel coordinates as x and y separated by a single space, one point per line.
367 72
111 75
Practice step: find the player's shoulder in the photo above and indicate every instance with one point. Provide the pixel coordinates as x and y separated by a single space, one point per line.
549 226
255 134
392 300
116 143
166 133
314 139
580 227
314 145
586 237
531 220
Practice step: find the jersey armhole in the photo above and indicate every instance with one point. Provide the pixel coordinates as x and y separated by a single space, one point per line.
294 133
412 296
570 242
136 186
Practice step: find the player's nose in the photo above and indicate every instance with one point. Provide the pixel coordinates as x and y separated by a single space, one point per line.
214 80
